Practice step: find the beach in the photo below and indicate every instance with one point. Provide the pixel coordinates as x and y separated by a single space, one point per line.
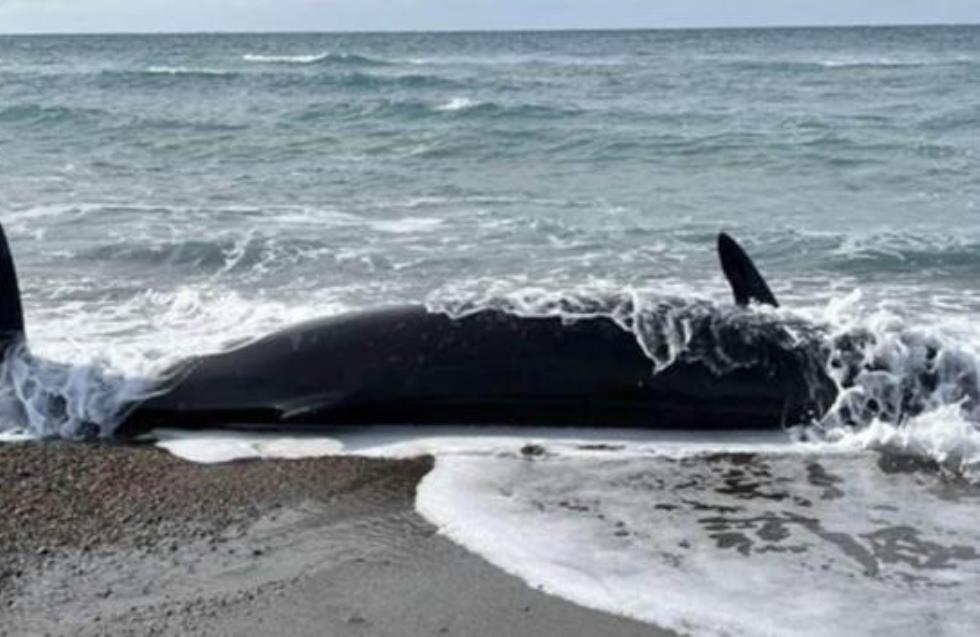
109 539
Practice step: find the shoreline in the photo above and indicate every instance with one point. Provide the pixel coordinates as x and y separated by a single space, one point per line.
111 539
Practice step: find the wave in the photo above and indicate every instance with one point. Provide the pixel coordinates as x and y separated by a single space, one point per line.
240 254
845 63
41 114
955 120
188 71
81 390
885 252
407 225
458 104
462 108
371 80
337 59
162 76
888 371
530 111
893 63
871 63
466 107
361 81
50 399
943 437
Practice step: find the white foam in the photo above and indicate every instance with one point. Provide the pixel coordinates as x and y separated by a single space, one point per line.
50 399
183 70
218 447
458 104
662 541
884 62
407 225
78 387
943 435
892 62
286 59
17 435
440 441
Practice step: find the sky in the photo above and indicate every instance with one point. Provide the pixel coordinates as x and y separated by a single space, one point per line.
32 16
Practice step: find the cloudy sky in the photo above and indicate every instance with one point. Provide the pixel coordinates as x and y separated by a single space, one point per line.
342 15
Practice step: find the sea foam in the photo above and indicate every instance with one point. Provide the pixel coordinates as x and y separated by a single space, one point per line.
723 544
458 104
351 59
708 534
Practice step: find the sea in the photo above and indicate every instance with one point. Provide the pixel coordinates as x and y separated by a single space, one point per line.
174 195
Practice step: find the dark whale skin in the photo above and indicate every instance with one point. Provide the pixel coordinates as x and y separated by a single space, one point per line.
408 365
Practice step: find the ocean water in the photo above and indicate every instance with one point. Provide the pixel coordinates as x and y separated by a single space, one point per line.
168 195
178 194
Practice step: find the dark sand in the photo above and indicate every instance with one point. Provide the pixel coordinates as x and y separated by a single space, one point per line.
116 540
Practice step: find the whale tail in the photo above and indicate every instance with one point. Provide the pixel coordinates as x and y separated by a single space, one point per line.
11 313
747 284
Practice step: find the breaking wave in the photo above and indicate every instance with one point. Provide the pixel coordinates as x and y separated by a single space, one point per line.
946 436
889 251
238 254
852 63
51 399
466 107
899 387
83 390
458 104
333 59
886 62
188 71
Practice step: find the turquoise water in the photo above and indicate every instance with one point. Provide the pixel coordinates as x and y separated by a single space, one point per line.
834 153
174 194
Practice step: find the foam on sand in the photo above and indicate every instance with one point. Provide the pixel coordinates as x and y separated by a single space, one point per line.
219 447
732 544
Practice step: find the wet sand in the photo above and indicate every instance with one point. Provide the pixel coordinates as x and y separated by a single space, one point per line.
100 539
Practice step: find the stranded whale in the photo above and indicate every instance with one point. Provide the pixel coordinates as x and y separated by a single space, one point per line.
734 368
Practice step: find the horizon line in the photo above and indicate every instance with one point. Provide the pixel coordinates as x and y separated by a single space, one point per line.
856 25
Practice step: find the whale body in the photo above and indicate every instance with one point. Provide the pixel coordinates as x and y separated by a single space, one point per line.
407 365
410 365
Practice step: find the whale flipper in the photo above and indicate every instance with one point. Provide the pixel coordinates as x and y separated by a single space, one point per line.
11 314
305 405
747 284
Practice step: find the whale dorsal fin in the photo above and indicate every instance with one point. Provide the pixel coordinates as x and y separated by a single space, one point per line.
747 284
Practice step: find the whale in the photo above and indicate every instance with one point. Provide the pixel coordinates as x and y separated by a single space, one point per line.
737 367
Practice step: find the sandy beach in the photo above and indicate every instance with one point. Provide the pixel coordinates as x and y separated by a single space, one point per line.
120 540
